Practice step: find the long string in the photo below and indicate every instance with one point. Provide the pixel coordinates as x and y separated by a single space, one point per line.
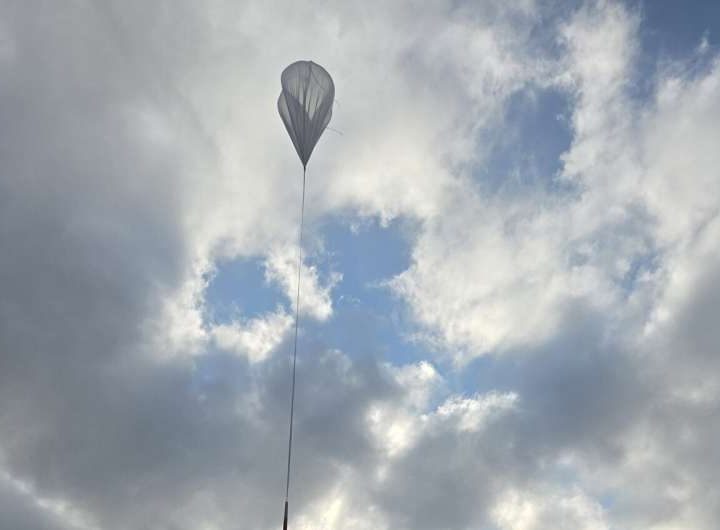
297 320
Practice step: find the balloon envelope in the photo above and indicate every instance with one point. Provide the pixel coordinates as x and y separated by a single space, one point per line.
305 104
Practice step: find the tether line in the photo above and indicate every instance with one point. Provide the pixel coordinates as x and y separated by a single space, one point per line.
297 320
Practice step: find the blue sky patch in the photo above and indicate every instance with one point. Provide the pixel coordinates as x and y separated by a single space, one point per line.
238 288
367 318
536 131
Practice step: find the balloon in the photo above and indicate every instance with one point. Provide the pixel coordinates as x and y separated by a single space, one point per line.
305 105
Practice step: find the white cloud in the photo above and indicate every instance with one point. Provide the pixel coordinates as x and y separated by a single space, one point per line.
471 414
542 511
255 338
395 426
316 301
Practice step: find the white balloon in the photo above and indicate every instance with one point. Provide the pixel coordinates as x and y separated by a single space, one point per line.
305 104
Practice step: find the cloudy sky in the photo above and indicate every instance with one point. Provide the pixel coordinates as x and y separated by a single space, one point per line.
511 283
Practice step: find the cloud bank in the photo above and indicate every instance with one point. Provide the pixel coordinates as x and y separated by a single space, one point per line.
563 352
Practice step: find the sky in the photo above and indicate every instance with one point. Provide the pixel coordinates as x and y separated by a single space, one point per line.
511 266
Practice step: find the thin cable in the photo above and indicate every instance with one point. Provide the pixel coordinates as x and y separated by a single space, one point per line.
297 320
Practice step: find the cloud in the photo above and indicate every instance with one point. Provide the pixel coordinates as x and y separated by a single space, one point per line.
139 146
24 510
256 338
522 511
281 267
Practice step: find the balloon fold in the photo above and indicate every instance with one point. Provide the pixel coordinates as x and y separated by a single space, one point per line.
305 105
